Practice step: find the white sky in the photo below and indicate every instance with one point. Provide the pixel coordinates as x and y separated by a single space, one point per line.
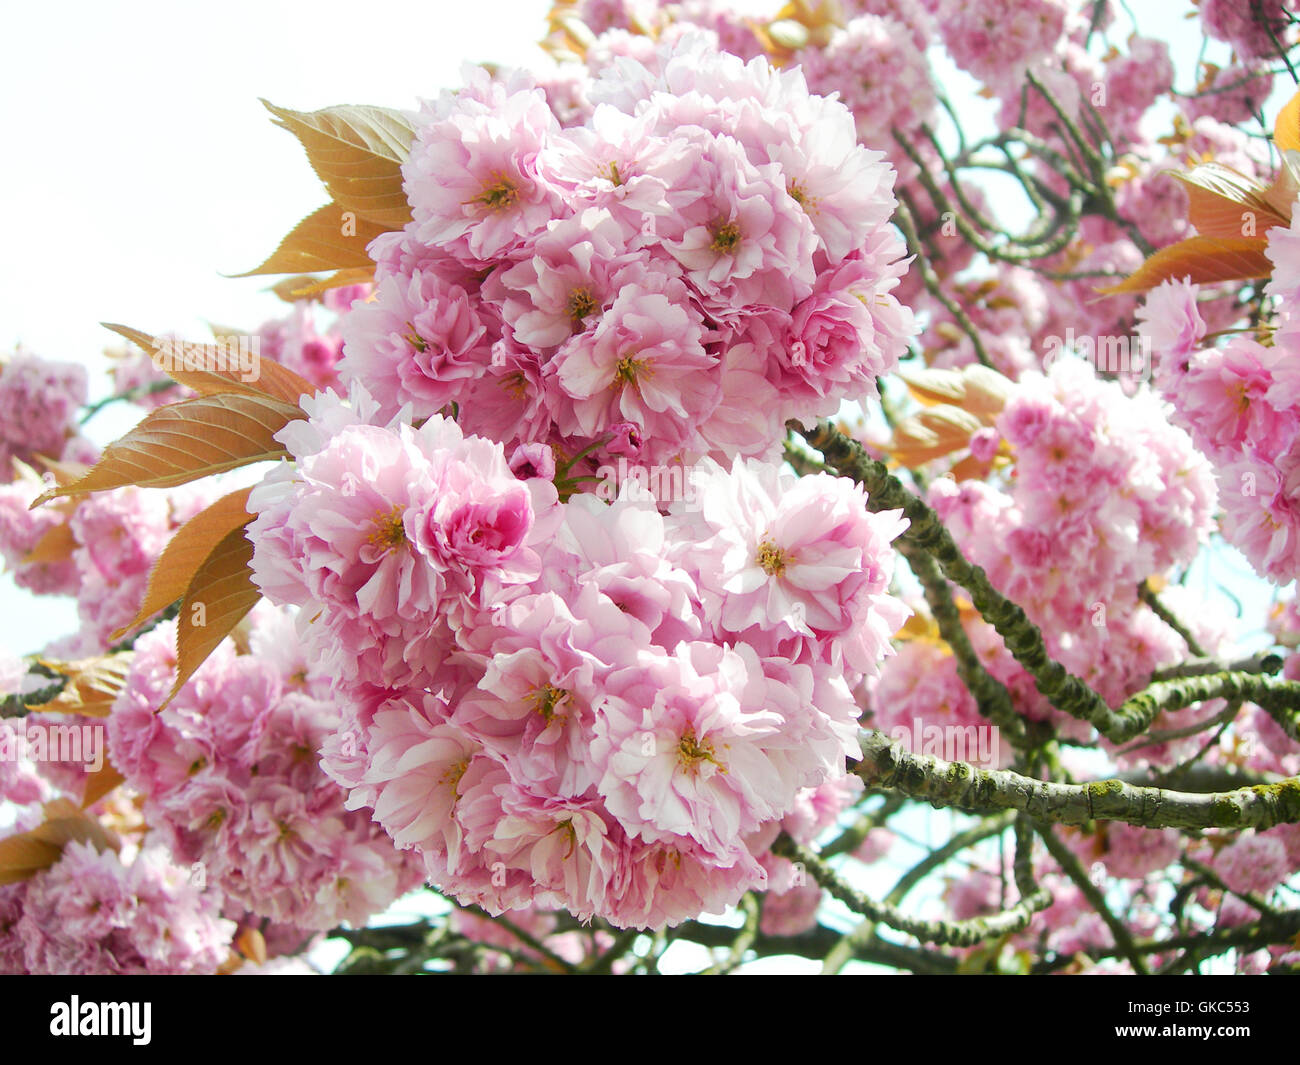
139 163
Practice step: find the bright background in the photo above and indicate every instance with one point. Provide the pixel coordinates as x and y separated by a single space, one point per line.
139 166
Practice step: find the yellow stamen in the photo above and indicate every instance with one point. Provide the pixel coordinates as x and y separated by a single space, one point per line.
691 752
515 384
581 303
389 532
771 559
452 777
500 195
547 699
725 238
625 373
567 827
415 340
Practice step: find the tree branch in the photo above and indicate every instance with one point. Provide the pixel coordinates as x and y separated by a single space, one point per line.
885 764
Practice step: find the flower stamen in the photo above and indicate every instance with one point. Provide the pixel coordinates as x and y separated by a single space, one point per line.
627 369
581 303
415 340
691 752
452 777
389 531
499 194
771 559
547 698
726 236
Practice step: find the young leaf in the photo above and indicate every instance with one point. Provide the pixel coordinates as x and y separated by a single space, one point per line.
933 433
1281 195
358 152
330 238
186 551
987 392
929 385
569 35
91 687
1286 127
22 857
252 945
968 469
978 389
56 545
100 783
304 286
184 441
65 822
1226 204
1203 260
212 375
220 594
62 472
921 627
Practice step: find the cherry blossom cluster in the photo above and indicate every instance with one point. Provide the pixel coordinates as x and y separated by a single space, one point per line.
111 542
1100 493
230 780
113 901
874 55
39 403
1254 31
705 256
1240 401
94 913
590 705
551 629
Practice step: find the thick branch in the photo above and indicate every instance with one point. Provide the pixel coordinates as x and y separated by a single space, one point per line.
1022 638
1280 697
886 764
991 695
